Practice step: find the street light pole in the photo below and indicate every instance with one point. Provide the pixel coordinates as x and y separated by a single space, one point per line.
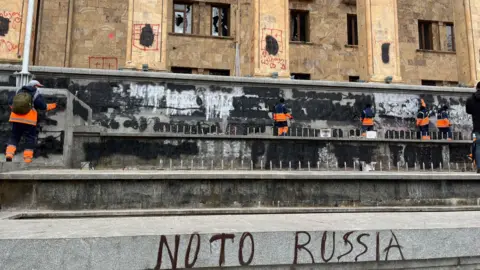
24 76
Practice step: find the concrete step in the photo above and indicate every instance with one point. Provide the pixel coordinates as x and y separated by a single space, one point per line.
111 190
303 241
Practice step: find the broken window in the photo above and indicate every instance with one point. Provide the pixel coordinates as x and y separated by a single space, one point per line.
299 25
425 35
450 37
352 29
220 21
182 19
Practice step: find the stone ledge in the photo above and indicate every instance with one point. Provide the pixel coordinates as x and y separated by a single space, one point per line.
240 80
232 241
88 175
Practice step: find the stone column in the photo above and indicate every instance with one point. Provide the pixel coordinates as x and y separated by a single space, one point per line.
147 38
379 50
271 38
467 31
13 17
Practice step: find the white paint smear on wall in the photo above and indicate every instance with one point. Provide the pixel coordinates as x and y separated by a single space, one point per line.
402 106
217 104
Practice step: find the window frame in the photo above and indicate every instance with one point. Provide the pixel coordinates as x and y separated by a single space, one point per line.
421 35
299 12
220 33
452 25
352 29
184 16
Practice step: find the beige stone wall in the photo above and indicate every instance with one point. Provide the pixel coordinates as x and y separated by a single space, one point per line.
326 56
271 43
52 39
99 34
438 65
104 34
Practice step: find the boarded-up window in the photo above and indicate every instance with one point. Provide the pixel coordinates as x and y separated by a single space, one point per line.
425 35
182 19
220 21
353 78
450 37
299 25
352 29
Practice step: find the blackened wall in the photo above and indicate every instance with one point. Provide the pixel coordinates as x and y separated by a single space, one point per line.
148 102
244 153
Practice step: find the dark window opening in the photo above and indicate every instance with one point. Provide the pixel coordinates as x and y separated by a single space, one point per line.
300 76
182 19
352 29
219 72
299 25
425 35
353 78
429 82
450 37
220 21
181 70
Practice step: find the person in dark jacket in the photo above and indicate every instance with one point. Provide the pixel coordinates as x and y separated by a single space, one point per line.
423 120
281 116
473 108
26 124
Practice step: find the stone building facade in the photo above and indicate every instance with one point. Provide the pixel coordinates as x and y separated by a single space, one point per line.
431 42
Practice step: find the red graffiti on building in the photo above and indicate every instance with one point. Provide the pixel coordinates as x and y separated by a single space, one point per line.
99 62
8 46
274 43
14 17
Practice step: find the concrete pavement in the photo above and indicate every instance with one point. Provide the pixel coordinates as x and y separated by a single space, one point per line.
248 240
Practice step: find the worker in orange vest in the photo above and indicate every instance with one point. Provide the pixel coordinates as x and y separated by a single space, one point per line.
423 120
367 118
281 116
443 123
24 117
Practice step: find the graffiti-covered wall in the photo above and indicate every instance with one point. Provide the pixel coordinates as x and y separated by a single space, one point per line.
150 104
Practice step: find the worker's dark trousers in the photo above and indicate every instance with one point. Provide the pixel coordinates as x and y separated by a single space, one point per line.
28 131
445 133
476 149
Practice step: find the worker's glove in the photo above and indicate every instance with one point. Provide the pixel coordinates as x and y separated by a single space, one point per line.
51 106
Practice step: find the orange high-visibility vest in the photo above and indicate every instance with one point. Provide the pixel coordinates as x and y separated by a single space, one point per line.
30 118
424 120
443 121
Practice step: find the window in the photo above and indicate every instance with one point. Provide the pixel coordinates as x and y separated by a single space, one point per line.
352 29
353 78
450 37
425 35
219 72
182 19
220 21
299 25
429 83
181 70
300 76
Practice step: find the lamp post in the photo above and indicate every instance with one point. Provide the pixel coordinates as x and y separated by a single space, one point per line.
23 77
